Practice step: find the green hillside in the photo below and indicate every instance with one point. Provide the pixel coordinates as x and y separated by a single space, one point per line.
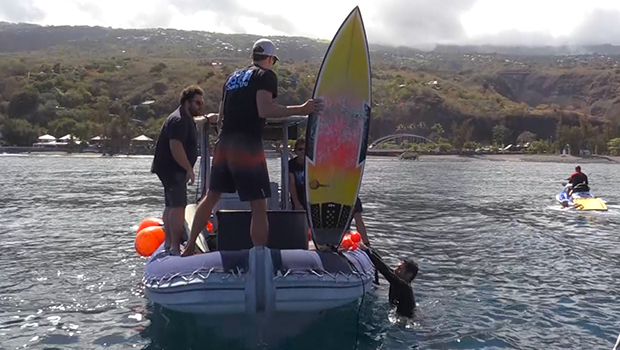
91 80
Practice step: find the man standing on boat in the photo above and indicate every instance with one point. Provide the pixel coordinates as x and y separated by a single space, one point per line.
175 155
239 162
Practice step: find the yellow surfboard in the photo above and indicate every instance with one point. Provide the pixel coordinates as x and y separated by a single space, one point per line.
590 204
337 138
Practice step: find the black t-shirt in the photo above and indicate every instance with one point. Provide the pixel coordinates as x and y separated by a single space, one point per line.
178 126
239 98
300 178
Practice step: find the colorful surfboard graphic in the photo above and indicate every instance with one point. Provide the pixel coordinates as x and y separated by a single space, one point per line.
337 138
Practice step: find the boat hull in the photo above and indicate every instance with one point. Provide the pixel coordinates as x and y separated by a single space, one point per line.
255 281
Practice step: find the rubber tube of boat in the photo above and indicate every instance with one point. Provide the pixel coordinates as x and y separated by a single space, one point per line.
250 283
259 275
269 284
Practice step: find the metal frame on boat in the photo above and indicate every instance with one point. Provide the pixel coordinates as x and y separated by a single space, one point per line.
281 129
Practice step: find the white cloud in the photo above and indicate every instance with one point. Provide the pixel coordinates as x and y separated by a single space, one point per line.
398 22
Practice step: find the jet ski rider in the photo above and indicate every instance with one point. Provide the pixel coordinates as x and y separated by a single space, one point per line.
578 178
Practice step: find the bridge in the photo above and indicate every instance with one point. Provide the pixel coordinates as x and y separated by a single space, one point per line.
400 138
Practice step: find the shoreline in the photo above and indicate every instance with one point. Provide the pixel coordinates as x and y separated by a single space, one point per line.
537 158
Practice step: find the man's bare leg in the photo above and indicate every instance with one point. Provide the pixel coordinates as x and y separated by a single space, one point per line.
259 227
201 216
176 217
166 221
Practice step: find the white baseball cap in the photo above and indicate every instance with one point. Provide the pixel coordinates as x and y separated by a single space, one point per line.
265 47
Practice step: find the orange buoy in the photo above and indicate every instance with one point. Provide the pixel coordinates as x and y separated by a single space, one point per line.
347 242
149 239
148 222
355 236
209 226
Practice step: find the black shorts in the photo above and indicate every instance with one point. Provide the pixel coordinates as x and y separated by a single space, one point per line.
175 189
239 165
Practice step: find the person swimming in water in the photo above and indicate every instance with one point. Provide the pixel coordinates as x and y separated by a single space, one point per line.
401 294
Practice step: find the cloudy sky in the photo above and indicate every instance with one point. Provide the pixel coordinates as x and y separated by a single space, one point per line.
418 23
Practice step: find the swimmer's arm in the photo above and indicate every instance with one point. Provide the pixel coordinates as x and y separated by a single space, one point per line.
389 275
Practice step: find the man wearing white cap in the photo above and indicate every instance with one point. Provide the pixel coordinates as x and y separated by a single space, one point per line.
239 159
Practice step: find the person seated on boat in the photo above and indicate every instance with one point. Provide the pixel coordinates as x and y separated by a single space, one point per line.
297 176
579 181
401 293
239 164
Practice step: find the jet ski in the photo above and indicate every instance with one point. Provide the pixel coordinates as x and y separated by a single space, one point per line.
580 198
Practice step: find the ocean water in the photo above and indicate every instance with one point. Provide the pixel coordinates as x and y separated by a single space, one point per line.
502 266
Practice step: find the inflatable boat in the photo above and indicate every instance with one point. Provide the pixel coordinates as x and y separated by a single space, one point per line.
581 198
288 280
257 280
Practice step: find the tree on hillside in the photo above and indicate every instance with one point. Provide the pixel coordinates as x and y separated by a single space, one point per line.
614 146
461 133
158 68
570 136
19 132
526 137
64 126
159 87
23 104
585 129
501 135
438 129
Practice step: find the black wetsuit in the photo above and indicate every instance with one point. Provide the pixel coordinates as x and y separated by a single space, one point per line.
401 293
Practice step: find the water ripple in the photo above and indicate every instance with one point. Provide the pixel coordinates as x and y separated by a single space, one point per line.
501 265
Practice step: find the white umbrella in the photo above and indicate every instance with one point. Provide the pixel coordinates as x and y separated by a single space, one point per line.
47 137
142 138
66 137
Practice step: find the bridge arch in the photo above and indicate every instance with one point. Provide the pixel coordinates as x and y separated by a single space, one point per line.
409 137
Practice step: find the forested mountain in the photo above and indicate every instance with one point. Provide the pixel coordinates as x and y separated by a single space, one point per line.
121 82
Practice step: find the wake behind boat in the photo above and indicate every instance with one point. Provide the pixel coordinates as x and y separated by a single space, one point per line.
580 198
